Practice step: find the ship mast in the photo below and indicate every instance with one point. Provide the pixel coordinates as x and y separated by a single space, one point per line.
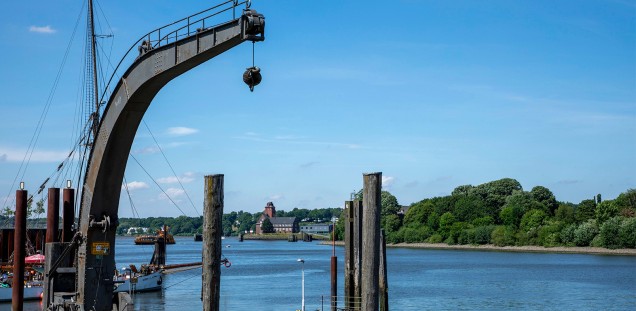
93 57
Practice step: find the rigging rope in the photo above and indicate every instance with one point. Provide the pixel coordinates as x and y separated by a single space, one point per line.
164 192
172 169
31 148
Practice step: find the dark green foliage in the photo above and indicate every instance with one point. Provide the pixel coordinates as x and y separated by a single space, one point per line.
483 234
494 193
469 207
418 213
446 222
462 190
392 223
483 221
435 238
627 233
567 235
511 215
585 233
609 233
565 212
433 220
585 210
267 226
545 197
606 210
550 233
503 236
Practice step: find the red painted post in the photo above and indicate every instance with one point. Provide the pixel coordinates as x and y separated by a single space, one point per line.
17 295
52 215
68 217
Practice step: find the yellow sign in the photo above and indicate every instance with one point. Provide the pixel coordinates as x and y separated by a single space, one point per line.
100 248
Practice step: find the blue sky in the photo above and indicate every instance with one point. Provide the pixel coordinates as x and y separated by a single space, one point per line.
434 94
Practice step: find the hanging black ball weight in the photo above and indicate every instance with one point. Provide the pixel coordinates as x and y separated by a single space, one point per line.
252 77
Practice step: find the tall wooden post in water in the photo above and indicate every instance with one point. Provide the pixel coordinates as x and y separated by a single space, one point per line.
17 294
212 231
348 249
371 201
383 286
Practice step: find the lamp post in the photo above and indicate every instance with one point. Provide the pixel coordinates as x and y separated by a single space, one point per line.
302 261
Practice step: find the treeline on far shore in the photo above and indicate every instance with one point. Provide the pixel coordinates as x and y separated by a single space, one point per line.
233 222
501 213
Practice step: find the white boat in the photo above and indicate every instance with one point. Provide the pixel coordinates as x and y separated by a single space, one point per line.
32 291
131 280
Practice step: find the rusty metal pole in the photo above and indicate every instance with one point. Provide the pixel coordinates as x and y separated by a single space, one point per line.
371 240
53 215
212 231
68 214
17 295
383 283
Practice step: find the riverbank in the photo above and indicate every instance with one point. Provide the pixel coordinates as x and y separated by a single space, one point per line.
518 249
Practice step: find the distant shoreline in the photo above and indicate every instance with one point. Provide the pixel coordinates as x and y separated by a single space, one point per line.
517 249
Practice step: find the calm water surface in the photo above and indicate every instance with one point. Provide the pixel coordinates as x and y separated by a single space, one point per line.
265 275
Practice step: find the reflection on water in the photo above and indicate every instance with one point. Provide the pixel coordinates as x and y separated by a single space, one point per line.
265 275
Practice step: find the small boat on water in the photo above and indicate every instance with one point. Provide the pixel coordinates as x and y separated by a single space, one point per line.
33 286
32 291
148 239
129 279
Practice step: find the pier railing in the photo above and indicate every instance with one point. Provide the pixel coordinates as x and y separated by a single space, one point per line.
177 30
340 303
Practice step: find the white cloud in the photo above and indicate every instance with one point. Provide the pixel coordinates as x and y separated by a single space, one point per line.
387 181
173 193
275 197
42 29
136 185
44 156
186 177
181 131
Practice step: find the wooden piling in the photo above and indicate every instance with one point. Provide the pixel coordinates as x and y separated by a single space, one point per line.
357 254
212 231
17 294
53 215
371 240
348 260
383 282
68 214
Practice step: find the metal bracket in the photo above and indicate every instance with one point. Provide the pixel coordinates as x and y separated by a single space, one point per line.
104 224
253 25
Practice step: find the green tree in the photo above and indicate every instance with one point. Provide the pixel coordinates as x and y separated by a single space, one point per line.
494 193
446 222
267 226
606 210
392 223
585 233
511 215
418 213
627 233
626 203
565 212
469 207
503 236
544 196
585 210
462 190
609 233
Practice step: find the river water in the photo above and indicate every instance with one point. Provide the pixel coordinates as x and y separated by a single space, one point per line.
265 275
